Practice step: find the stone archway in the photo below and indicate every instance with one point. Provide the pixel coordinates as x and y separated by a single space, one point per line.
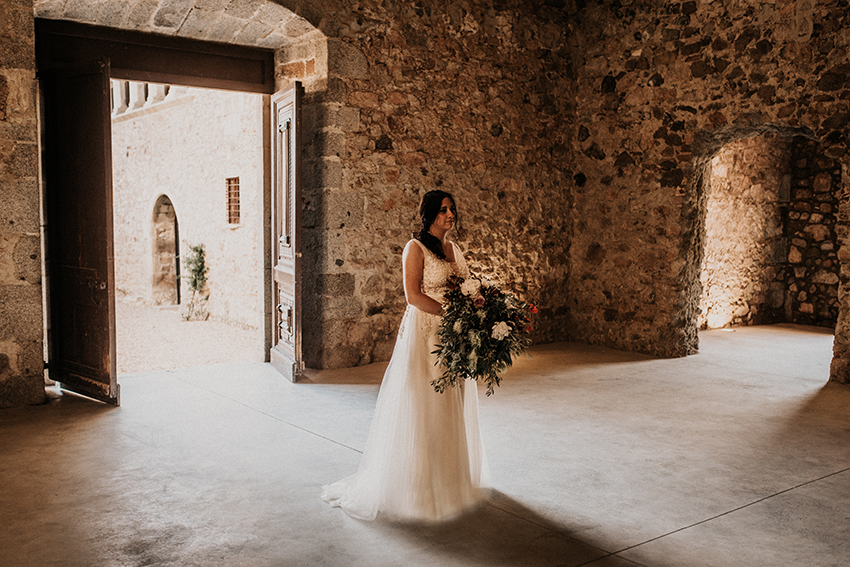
800 256
165 282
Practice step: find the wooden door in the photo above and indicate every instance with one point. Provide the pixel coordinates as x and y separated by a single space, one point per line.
286 231
78 217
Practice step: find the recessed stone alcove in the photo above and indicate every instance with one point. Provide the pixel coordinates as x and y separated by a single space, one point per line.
770 248
744 246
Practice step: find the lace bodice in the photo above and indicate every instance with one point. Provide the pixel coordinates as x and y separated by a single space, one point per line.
437 271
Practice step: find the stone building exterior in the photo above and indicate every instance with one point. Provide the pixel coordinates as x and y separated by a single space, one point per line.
178 149
577 136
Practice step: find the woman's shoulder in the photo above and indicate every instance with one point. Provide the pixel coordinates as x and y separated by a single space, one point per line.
413 245
455 246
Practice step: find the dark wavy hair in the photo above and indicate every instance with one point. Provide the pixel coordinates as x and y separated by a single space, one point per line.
429 207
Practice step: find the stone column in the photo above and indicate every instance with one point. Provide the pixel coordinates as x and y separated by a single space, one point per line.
119 97
21 323
156 93
137 95
175 92
839 369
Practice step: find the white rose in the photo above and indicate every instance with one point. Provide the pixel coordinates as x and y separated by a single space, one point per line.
470 286
501 330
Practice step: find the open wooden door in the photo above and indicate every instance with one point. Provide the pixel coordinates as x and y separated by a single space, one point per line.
286 231
78 215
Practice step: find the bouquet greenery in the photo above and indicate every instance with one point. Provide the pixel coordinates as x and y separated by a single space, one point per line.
482 330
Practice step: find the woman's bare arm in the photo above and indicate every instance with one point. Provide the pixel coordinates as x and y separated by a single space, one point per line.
414 265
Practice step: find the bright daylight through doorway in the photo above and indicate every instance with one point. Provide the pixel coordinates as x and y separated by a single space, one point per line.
187 190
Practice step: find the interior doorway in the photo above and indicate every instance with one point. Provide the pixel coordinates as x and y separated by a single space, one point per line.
75 67
770 246
188 192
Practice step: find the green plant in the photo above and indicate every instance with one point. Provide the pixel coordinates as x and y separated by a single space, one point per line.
196 276
196 267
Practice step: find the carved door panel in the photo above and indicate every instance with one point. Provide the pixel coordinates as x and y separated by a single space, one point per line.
286 232
78 216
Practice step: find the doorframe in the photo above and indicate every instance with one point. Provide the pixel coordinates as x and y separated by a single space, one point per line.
148 57
152 58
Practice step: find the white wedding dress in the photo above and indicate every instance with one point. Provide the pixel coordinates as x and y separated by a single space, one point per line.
423 459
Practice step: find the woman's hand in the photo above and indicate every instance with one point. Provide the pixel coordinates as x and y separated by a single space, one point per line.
414 267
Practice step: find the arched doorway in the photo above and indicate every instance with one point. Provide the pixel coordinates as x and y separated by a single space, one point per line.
165 280
799 243
770 246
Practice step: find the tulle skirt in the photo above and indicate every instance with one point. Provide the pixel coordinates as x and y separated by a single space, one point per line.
423 459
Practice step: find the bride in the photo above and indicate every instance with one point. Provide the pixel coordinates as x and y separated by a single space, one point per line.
423 459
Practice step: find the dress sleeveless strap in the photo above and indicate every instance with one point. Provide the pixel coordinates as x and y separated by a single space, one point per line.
422 246
427 251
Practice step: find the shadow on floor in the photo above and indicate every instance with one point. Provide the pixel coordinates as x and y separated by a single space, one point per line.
503 532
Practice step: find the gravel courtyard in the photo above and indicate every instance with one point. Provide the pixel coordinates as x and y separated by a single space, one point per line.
156 338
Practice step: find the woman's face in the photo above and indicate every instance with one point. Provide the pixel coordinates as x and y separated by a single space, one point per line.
446 217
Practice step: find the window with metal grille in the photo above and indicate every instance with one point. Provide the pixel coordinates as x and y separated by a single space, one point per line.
233 200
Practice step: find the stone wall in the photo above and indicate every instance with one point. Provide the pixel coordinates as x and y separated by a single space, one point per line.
813 274
743 269
472 99
21 318
662 87
577 138
185 147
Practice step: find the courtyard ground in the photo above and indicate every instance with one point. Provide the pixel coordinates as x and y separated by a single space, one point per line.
153 338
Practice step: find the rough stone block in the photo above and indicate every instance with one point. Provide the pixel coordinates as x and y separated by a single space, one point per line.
142 13
322 174
272 41
321 90
199 23
20 390
25 160
292 70
349 119
27 259
327 144
341 308
19 206
17 53
839 368
343 209
335 285
171 13
212 5
4 95
225 29
50 9
113 14
20 319
243 9
82 10
345 60
297 27
272 13
253 33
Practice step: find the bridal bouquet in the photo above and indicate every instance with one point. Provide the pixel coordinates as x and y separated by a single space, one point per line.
482 330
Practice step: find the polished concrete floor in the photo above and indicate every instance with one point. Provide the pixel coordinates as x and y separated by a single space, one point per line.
737 456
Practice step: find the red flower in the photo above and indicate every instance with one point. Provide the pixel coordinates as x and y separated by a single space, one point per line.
479 302
528 329
533 309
